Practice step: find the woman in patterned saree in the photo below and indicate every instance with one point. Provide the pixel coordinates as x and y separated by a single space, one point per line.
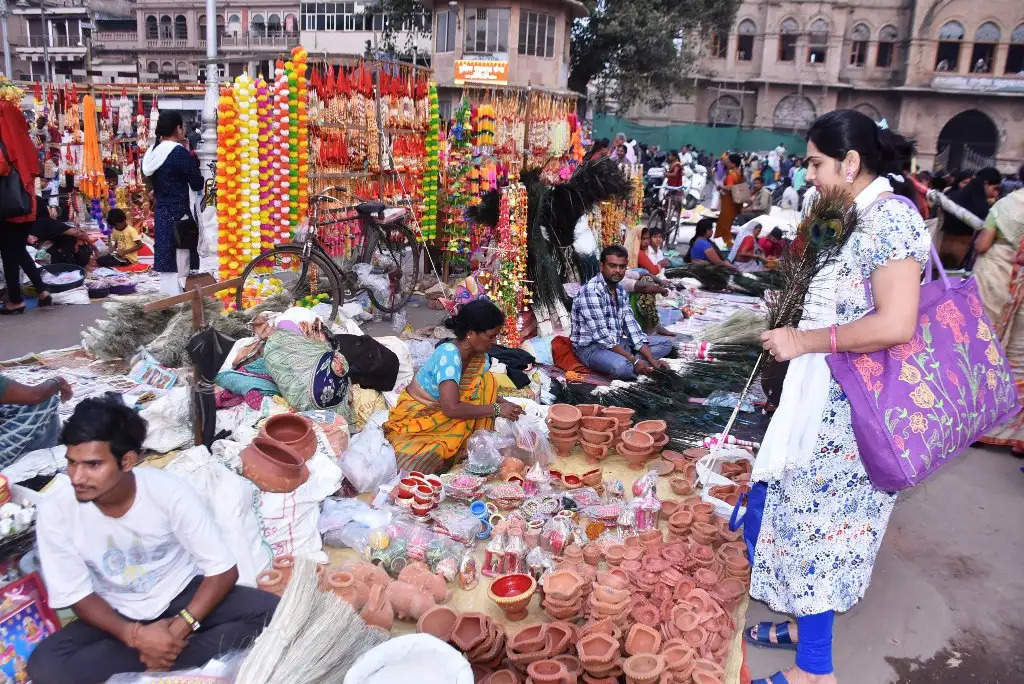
999 272
822 521
452 396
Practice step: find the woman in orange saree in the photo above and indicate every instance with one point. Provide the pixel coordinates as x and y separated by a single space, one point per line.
452 396
730 209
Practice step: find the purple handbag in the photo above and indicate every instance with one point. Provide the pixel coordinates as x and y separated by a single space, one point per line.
916 405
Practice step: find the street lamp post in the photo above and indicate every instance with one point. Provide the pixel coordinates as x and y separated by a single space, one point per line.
7 43
208 148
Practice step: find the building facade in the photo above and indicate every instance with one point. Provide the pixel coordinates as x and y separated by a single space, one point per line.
949 74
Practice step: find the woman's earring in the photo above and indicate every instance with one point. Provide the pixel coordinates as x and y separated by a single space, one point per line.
849 176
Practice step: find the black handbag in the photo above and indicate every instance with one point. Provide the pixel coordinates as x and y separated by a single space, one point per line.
14 201
186 232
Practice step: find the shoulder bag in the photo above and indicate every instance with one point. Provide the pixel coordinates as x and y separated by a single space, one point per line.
14 201
186 231
740 192
917 405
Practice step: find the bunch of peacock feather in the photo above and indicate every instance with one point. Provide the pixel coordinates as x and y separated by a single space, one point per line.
314 637
712 277
553 211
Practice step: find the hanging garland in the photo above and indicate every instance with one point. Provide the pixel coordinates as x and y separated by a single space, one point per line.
508 288
428 227
93 182
228 185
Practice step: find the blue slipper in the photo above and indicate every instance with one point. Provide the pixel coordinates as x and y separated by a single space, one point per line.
777 678
763 637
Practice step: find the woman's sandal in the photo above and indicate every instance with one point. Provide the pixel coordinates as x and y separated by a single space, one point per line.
762 637
777 678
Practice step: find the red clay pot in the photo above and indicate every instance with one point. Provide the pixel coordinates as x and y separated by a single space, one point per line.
273 466
292 430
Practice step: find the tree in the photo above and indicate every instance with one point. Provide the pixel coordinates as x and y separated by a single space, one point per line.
643 51
635 51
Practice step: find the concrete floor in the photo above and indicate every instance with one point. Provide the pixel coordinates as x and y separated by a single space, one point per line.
946 600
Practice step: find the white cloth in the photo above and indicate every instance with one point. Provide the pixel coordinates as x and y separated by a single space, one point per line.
137 563
655 255
789 441
790 199
156 156
745 230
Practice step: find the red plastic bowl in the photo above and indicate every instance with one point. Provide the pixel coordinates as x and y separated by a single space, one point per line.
511 585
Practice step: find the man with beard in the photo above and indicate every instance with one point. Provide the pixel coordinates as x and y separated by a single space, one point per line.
605 334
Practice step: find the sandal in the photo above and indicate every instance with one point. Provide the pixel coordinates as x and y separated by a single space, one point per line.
777 678
762 636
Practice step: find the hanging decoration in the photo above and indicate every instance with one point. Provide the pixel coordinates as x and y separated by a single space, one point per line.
428 224
93 182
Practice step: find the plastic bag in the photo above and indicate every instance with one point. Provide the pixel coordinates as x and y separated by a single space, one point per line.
369 460
223 668
484 449
709 474
169 421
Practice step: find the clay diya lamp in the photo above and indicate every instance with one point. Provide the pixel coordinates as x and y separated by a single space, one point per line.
595 452
599 424
642 639
592 554
703 512
609 594
612 580
695 454
504 676
648 536
512 593
635 440
589 409
597 649
635 459
596 437
564 416
704 533
668 507
591 478
271 581
572 666
439 621
633 553
471 629
618 413
690 473
680 486
273 466
547 672
563 433
529 639
676 458
572 481
563 585
291 430
561 635
644 668
511 465
614 554
656 428
736 566
729 591
572 553
679 658
660 442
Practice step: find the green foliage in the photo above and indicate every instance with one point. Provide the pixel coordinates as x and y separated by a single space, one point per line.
405 21
643 51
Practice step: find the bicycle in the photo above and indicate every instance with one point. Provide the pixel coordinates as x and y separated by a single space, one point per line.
666 216
371 241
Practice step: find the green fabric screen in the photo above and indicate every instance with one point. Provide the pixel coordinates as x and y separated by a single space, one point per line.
714 140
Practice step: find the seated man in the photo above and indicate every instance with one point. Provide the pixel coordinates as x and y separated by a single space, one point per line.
28 416
605 334
139 559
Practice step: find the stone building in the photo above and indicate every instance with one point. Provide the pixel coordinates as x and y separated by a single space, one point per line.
949 73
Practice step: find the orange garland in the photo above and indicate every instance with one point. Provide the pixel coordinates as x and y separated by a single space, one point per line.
94 182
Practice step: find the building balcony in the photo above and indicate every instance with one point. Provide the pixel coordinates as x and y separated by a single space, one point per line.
171 44
257 41
977 83
115 40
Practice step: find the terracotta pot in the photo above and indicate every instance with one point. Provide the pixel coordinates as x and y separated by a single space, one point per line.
614 554
547 672
271 581
703 512
470 630
563 445
512 593
439 621
637 441
377 611
595 452
635 459
595 437
681 486
656 428
644 668
273 466
564 585
599 424
618 412
597 649
592 554
348 588
504 676
293 430
563 433
564 415
642 639
589 409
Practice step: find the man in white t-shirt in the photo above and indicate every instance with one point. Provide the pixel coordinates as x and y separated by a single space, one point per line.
135 553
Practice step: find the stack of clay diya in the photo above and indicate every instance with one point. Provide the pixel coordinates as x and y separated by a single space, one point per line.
481 639
418 493
563 427
636 447
564 593
610 597
600 652
542 653
275 580
739 473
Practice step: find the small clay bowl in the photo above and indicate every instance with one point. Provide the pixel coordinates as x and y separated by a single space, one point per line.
599 423
680 486
594 452
564 416
439 621
595 437
637 441
563 433
512 593
592 478
589 409
655 427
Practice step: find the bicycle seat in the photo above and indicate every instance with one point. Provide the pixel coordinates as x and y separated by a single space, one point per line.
370 208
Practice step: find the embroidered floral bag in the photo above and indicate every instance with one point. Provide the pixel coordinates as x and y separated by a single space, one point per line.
917 405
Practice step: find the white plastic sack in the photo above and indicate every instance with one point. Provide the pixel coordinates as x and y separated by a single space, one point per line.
290 521
709 474
169 421
370 459
420 658
405 371
78 295
230 498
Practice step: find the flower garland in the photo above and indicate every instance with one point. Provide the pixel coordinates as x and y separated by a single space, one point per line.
229 254
278 152
93 182
508 289
298 137
428 226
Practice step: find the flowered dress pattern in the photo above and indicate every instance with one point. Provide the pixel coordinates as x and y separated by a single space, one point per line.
171 182
822 525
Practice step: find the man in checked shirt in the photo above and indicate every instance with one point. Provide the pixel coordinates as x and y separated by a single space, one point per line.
605 335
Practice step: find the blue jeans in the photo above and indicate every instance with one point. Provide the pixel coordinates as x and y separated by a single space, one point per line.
607 362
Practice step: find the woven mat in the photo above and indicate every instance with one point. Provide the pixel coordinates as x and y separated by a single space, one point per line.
614 467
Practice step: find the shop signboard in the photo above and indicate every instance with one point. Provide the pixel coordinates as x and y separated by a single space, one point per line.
488 71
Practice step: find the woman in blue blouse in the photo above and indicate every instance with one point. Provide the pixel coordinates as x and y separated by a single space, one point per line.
702 249
173 171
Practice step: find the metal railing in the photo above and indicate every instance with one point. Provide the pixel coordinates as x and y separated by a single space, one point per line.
105 38
167 42
58 41
258 40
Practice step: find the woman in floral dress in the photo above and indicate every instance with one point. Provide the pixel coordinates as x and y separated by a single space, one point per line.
823 521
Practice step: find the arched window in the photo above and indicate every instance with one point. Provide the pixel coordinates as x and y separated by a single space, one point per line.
886 46
983 54
859 38
794 112
258 26
221 25
152 67
291 23
202 27
947 56
166 28
745 33
182 69
180 27
817 42
789 30
1015 55
234 24
152 30
274 25
167 68
725 111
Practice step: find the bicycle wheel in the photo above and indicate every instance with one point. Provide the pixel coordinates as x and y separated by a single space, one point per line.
657 220
672 222
283 270
393 255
